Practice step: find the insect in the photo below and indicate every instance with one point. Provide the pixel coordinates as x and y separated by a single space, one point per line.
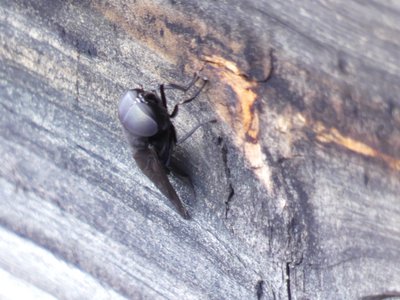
152 136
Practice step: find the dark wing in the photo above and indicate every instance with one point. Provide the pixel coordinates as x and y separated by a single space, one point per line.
148 162
178 168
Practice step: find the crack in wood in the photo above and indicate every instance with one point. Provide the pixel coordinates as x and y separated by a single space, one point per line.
386 295
224 151
228 201
288 289
78 57
259 289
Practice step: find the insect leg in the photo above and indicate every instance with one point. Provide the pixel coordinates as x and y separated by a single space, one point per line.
175 110
189 134
163 98
195 78
163 87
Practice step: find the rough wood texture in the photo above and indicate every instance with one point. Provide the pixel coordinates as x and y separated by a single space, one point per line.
297 185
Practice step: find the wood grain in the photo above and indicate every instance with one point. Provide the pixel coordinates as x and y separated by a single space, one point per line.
297 186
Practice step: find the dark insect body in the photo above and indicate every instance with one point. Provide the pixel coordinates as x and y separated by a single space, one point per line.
152 137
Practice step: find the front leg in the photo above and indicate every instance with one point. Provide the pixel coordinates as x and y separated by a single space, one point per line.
175 110
163 87
181 88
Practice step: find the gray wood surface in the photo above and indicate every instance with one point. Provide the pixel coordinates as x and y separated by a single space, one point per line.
297 185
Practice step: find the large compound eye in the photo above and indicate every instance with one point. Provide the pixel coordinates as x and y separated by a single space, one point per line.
135 115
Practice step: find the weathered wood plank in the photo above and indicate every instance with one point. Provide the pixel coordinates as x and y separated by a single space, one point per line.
32 279
297 186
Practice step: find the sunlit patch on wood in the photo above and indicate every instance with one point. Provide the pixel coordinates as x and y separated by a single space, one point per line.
332 135
244 120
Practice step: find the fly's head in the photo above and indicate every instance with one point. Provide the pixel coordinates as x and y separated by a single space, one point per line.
136 112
